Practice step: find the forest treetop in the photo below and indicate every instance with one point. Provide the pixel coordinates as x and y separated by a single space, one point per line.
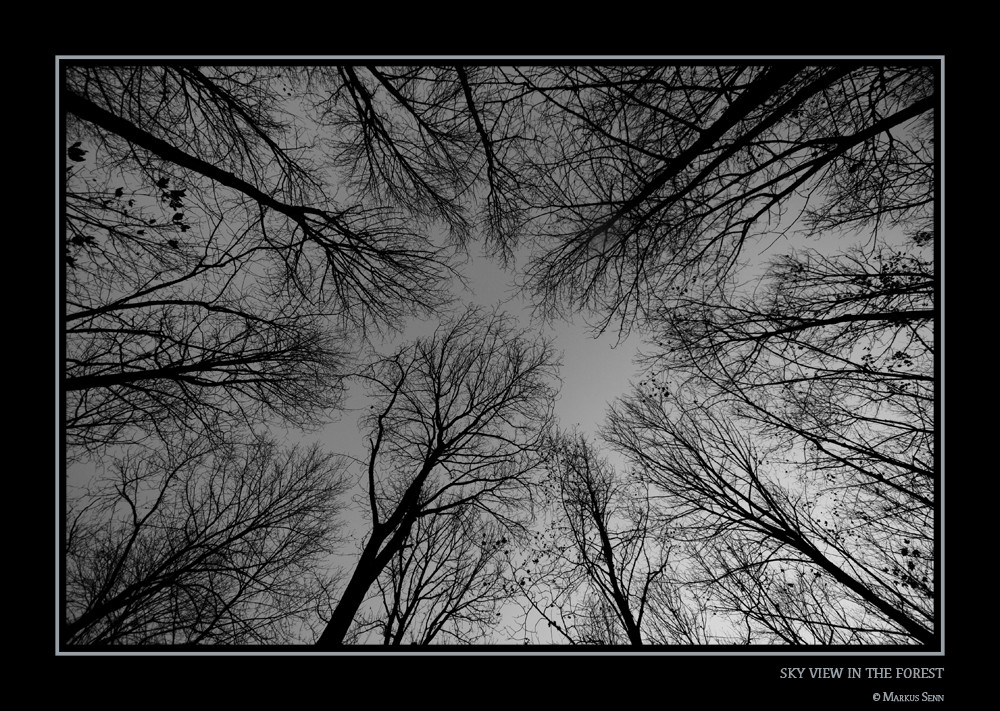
238 237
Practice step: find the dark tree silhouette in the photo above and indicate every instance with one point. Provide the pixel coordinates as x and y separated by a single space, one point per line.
831 366
209 272
787 426
235 236
653 176
443 586
458 423
838 351
600 552
718 489
200 543
218 131
190 354
442 142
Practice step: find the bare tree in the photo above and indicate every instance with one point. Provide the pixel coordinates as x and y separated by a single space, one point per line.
838 351
443 142
637 177
233 234
210 276
230 134
771 597
719 490
182 358
458 422
812 519
194 542
653 176
443 586
600 543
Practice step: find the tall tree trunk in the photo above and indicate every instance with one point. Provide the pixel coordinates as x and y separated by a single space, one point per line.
369 567
365 573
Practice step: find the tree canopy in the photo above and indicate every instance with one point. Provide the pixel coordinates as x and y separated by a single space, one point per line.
244 248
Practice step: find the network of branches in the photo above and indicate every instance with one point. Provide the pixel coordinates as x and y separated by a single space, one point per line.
243 246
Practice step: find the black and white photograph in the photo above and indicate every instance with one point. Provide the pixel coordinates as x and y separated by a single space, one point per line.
503 357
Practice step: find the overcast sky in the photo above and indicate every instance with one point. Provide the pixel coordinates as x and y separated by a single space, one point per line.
595 370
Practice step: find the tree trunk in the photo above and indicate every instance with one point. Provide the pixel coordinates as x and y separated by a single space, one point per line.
364 575
369 567
912 627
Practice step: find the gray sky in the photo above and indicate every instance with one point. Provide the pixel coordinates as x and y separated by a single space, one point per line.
594 370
